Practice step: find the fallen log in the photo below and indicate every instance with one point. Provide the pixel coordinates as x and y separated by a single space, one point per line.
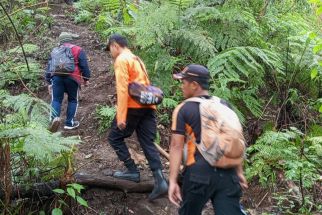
114 183
46 189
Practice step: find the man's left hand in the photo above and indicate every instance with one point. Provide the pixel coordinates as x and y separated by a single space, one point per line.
242 180
50 89
121 125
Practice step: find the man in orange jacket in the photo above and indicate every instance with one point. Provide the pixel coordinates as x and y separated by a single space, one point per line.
132 116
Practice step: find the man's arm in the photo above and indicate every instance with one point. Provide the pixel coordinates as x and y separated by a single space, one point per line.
176 150
47 72
122 82
83 65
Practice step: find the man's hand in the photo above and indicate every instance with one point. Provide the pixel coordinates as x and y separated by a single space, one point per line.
86 83
242 180
174 193
121 125
50 88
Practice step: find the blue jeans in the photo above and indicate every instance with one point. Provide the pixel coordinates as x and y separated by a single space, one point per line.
63 85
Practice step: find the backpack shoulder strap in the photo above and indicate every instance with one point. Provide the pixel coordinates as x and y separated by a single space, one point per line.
201 100
141 64
194 99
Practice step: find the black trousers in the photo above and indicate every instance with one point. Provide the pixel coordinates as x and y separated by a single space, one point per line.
202 182
143 121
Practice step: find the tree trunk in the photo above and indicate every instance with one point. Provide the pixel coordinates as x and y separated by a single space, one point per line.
5 170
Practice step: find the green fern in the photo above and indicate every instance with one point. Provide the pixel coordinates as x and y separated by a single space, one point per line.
83 16
169 103
105 116
279 151
194 43
112 5
244 62
25 127
182 4
160 26
28 48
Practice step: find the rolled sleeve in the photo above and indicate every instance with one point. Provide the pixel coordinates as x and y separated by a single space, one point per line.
122 82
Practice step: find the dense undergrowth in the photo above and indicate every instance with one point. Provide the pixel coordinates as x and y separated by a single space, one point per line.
264 58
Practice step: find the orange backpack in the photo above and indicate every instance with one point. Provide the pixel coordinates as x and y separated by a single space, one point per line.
222 142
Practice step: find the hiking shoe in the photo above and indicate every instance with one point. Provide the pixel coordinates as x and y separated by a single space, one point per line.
74 126
128 175
54 125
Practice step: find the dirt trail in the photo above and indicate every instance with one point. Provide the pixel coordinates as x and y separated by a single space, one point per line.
94 154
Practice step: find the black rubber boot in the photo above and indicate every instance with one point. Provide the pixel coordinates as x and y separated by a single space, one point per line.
160 185
131 174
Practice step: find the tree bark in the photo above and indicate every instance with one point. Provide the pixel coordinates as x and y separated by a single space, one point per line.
113 183
5 170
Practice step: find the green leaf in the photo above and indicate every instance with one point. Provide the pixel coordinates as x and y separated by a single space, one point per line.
319 10
60 191
57 211
71 192
320 109
81 201
42 213
312 35
62 203
314 73
317 48
77 187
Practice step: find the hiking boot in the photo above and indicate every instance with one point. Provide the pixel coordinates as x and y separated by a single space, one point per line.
160 185
54 125
75 125
130 175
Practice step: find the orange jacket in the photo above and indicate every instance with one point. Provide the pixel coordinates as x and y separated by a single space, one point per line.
128 69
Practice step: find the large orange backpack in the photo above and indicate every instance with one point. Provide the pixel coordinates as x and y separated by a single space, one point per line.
222 142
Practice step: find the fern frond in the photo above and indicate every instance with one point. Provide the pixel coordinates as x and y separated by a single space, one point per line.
111 5
169 103
159 26
105 116
182 4
38 142
33 108
243 62
194 43
252 103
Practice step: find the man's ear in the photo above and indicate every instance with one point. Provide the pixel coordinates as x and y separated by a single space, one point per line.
115 45
195 85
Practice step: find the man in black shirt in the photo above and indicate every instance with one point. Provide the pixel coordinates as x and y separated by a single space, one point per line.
202 182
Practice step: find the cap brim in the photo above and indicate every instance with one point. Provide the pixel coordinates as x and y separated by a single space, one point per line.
178 76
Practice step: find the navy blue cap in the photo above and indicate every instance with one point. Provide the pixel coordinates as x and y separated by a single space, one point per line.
193 71
116 38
